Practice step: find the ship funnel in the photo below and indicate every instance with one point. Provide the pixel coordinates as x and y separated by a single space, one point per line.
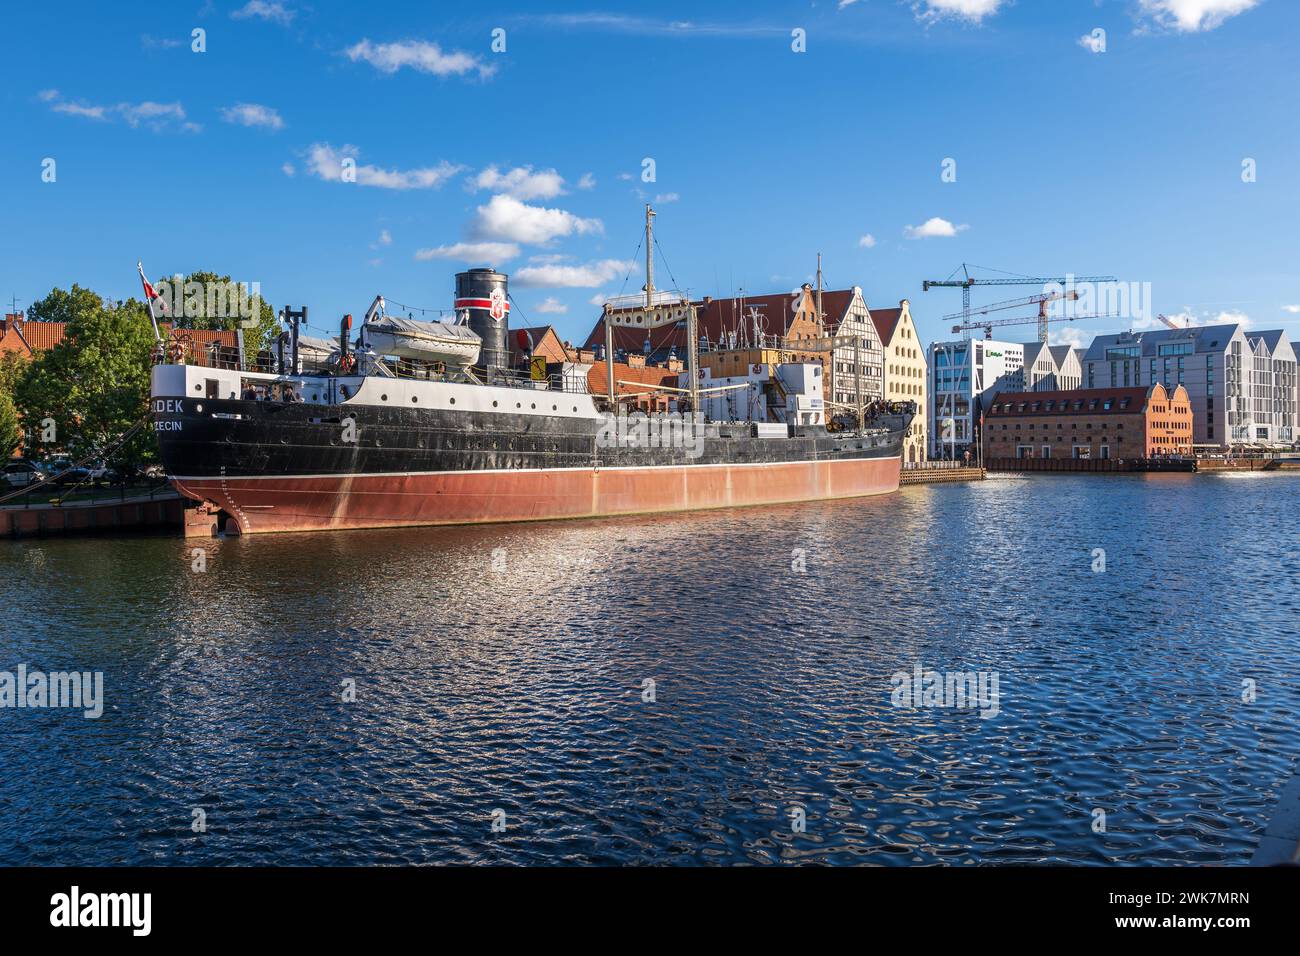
482 294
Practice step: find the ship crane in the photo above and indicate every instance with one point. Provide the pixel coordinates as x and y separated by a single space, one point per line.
967 281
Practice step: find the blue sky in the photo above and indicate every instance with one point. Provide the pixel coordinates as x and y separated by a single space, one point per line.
1126 161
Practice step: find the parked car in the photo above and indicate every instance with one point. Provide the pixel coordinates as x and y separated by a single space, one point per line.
102 471
72 476
20 473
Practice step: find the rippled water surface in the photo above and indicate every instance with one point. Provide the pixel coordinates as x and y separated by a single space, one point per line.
504 669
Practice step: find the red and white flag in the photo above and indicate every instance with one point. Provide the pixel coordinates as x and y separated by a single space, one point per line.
151 296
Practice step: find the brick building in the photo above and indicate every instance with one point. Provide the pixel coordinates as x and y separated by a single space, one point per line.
208 347
1126 423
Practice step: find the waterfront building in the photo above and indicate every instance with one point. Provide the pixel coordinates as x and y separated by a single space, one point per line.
1129 423
1242 386
905 373
963 378
1052 368
856 375
762 330
540 341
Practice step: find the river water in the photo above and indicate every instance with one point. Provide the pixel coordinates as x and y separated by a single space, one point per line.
684 689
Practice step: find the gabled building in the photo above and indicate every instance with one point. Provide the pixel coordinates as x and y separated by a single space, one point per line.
905 373
1130 423
1052 368
856 374
1241 393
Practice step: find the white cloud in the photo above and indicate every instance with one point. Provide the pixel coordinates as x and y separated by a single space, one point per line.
252 114
265 10
666 198
151 112
586 276
846 3
1293 309
1234 316
79 109
600 298
385 237
1093 44
419 55
471 252
1190 16
326 162
972 10
867 242
1071 335
158 43
288 169
588 181
505 217
626 177
933 228
520 182
552 306
157 116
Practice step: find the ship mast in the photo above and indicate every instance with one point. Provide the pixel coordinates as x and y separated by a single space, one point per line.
649 258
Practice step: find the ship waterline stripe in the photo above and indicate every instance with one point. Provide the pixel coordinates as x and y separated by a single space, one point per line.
532 471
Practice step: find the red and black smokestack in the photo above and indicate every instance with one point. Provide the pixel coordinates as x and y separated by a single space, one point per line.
483 294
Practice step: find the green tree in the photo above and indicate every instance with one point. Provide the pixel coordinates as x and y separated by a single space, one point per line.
93 385
210 301
10 431
12 368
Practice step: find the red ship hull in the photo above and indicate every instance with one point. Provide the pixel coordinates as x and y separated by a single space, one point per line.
334 502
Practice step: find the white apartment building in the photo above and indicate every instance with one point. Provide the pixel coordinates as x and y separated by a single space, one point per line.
1242 385
963 378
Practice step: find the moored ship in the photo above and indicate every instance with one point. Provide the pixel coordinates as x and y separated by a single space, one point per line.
427 423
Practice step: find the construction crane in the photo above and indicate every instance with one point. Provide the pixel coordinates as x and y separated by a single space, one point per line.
1171 323
1039 300
1042 321
1007 278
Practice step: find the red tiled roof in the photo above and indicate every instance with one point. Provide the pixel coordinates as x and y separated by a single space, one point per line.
835 303
649 375
30 338
716 317
886 322
1007 404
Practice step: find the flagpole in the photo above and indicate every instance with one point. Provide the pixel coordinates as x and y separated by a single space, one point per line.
149 296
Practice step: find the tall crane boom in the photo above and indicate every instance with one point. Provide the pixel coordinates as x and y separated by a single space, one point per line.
989 325
967 281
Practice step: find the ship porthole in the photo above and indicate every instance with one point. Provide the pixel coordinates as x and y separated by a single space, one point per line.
198 388
415 398
383 398
533 405
494 404
198 407
575 408
555 408
453 401
517 405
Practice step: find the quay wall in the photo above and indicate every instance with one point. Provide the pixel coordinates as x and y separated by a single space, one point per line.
162 512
